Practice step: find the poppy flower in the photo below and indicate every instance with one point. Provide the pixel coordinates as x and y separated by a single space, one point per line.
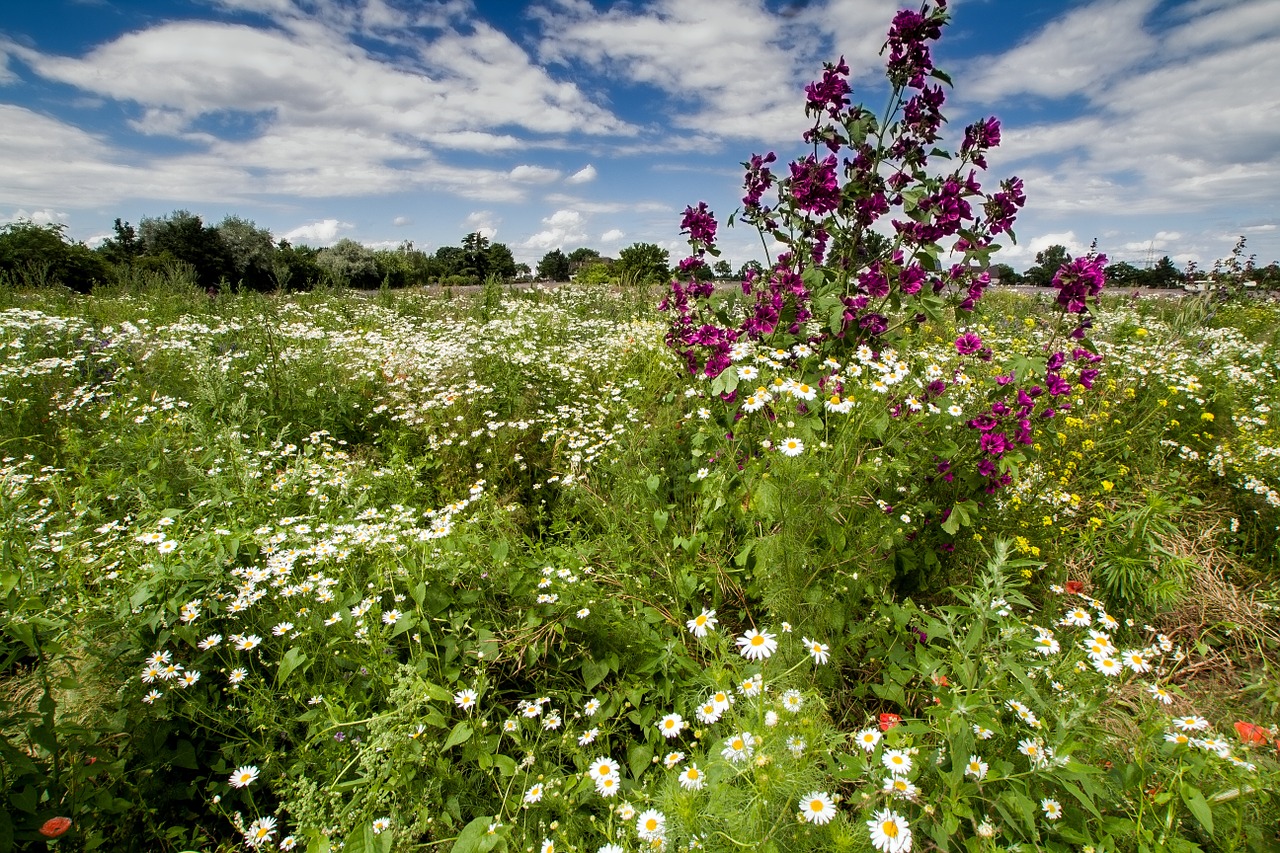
1252 733
888 721
55 826
1074 587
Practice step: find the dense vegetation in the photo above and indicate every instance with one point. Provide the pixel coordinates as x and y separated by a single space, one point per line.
325 567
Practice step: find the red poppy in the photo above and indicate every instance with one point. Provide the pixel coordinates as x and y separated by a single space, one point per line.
55 826
1252 733
1074 587
940 680
888 721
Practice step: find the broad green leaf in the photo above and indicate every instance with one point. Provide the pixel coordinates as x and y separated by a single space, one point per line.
460 734
1197 805
292 659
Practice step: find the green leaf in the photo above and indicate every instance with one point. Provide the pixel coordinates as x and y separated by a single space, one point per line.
660 520
460 734
292 659
593 672
638 758
1197 805
475 837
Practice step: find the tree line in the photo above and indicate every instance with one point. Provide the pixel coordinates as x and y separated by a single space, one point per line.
237 254
1163 273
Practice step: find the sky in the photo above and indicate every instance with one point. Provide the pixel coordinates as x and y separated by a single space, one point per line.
1150 125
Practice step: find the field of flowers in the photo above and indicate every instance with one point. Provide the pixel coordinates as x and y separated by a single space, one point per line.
331 572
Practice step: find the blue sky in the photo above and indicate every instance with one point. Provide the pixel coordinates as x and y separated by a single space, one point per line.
1151 125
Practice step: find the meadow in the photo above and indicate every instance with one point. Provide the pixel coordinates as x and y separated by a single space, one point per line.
399 572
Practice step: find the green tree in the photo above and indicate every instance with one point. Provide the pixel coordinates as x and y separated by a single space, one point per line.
1165 273
1004 273
249 250
748 267
500 261
722 269
34 254
452 260
295 267
350 263
597 273
475 250
582 257
644 263
1123 274
1046 266
183 236
554 266
123 249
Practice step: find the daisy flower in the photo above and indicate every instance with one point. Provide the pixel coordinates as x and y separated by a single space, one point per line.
237 676
670 725
585 738
792 701
1136 660
244 776
603 768
702 623
1078 617
867 739
982 732
651 825
672 759
465 699
260 831
738 748
591 707
534 794
818 651
381 825
152 696
817 807
709 713
757 645
896 786
608 786
752 686
977 768
889 832
210 642
1108 665
1160 694
691 778
897 760
791 447
1052 808
1191 723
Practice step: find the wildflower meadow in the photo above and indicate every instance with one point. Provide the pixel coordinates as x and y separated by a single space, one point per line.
862 554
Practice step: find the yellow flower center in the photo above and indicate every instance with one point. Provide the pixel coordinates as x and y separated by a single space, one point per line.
816 805
890 828
757 640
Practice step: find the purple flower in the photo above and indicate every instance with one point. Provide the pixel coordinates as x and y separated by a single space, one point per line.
700 224
968 343
813 185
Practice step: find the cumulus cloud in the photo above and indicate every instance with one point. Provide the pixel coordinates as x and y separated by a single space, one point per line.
562 228
613 235
585 175
401 221
322 233
482 222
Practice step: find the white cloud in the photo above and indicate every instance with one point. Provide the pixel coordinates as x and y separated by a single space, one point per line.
613 235
401 221
695 52
585 175
482 222
1073 54
562 228
322 233
39 217
534 174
